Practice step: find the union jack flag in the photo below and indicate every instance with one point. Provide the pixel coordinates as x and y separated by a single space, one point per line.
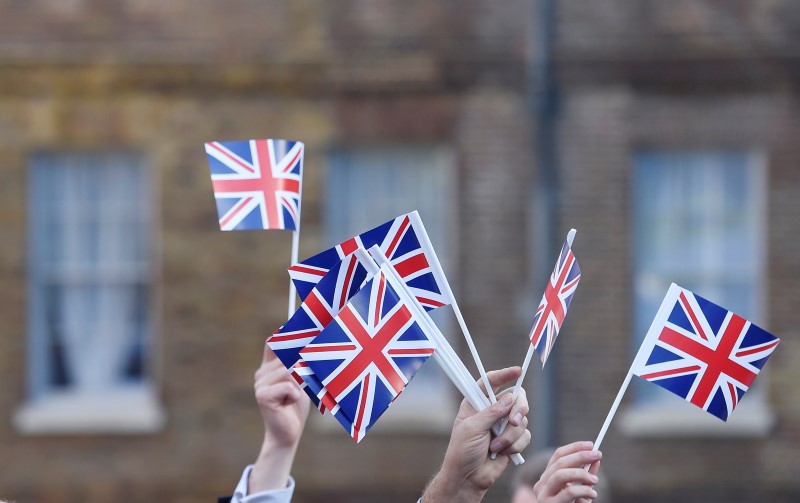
257 183
702 352
367 356
323 303
406 245
554 304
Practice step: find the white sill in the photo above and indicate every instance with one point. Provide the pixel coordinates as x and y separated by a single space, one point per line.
675 418
123 411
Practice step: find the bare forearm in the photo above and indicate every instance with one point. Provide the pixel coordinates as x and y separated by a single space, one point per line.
444 488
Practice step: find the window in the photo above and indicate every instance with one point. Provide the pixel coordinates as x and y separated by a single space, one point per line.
698 222
389 182
90 294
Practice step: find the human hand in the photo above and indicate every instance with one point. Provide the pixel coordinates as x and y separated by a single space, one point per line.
565 479
284 409
468 471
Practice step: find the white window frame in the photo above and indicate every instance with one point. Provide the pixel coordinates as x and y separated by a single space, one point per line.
668 415
123 408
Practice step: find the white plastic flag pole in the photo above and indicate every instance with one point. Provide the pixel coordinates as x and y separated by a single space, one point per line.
529 354
296 235
473 349
445 356
611 413
613 410
448 292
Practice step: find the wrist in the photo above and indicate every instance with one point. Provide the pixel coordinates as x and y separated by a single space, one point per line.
446 487
272 467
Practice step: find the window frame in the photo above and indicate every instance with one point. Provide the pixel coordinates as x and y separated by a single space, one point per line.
124 409
661 415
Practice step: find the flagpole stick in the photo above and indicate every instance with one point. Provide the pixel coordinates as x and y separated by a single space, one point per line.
612 412
417 222
473 350
296 235
571 237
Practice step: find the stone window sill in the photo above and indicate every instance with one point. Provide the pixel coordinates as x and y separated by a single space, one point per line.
122 412
669 419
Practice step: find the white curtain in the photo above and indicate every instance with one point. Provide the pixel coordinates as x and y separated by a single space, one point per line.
91 228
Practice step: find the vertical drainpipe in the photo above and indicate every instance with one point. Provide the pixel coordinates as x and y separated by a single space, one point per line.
542 95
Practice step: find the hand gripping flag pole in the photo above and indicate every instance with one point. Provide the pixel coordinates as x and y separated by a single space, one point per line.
444 355
552 311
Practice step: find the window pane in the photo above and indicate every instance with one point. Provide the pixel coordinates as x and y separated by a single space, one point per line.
90 280
697 223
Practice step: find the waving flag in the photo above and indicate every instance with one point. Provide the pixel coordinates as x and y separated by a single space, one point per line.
315 313
703 352
256 183
555 302
369 353
405 243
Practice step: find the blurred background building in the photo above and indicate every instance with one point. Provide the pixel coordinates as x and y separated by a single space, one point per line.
665 132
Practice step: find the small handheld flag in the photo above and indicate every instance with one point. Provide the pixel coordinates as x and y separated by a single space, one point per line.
702 352
556 299
256 183
551 312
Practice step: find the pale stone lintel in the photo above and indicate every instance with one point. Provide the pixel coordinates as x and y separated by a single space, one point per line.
126 411
751 419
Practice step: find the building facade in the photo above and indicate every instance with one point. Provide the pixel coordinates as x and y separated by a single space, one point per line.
133 326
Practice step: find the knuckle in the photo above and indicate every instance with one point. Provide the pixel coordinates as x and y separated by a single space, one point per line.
573 490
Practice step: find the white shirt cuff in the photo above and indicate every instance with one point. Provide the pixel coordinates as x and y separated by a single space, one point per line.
272 496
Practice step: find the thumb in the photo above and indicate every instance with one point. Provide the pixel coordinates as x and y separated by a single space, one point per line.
269 354
490 415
